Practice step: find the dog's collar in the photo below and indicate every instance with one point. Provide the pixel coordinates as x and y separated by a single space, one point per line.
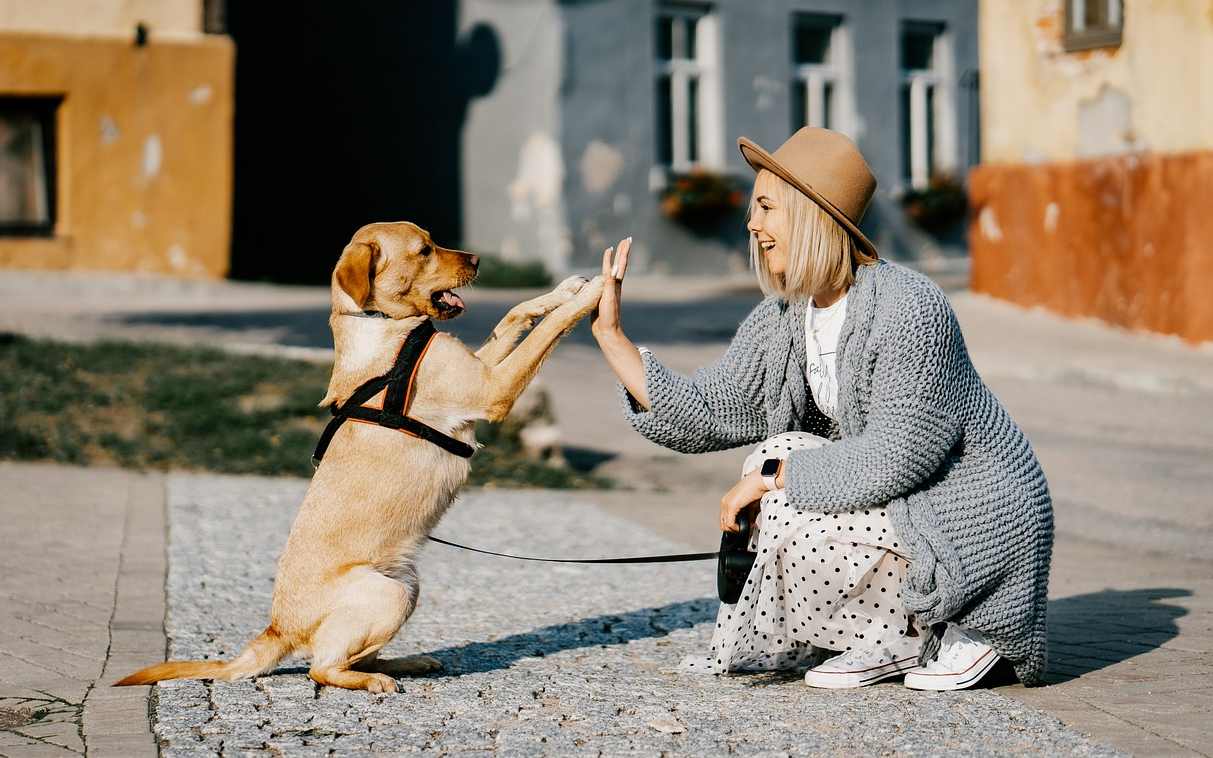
367 314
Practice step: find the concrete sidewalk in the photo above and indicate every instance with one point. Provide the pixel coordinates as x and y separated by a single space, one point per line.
82 582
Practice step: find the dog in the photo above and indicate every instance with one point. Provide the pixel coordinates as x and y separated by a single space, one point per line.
347 580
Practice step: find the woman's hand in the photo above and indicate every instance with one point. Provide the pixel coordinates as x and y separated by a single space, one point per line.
621 355
745 493
605 320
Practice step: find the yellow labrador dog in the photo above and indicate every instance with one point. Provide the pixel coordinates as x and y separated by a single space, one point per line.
346 581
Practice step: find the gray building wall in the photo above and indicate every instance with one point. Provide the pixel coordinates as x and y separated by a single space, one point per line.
558 158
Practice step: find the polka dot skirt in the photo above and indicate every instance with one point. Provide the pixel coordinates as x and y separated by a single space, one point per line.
829 581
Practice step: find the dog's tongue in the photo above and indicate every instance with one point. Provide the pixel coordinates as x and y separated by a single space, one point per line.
451 299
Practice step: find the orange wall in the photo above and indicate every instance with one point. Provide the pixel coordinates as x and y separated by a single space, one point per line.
1125 239
144 151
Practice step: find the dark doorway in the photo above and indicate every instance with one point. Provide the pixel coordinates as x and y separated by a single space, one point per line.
347 113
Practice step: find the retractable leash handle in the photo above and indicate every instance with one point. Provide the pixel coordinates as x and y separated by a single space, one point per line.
735 562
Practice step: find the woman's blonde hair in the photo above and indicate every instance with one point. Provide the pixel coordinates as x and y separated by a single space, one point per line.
821 253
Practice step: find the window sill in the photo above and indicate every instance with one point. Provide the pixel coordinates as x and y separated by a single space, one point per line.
1074 43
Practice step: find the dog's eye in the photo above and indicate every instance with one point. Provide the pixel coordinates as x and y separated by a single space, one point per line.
424 251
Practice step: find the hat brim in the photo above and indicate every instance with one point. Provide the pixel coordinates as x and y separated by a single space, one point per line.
760 159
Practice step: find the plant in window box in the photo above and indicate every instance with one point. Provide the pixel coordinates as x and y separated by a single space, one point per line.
701 200
939 206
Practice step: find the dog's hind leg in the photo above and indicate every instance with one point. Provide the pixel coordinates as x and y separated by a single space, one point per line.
522 317
369 612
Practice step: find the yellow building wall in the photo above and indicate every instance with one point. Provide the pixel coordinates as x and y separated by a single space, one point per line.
1041 103
144 151
102 17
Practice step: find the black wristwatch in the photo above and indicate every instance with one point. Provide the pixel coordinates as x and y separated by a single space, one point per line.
770 469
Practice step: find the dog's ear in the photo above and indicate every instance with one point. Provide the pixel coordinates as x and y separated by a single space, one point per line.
356 269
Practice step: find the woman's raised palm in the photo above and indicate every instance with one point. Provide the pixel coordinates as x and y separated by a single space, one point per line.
614 265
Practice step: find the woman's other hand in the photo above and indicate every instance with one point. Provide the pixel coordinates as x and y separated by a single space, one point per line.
606 320
745 493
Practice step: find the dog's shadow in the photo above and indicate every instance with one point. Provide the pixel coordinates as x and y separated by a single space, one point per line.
595 631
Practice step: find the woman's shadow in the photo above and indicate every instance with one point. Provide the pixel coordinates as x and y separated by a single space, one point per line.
1095 630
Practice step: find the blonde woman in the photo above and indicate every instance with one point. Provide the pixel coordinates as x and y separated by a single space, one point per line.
904 520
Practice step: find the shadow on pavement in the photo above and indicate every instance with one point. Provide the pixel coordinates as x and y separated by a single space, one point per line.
609 629
1098 629
696 322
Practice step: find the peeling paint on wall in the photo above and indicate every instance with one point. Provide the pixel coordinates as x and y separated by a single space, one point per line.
109 131
536 197
177 257
540 176
601 165
1105 123
988 223
1052 213
766 91
201 95
153 155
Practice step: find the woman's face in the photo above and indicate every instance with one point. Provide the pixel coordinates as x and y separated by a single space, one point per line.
769 223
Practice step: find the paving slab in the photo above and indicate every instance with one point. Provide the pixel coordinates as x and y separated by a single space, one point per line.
81 580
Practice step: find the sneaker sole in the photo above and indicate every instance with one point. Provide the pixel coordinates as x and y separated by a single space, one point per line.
845 680
943 682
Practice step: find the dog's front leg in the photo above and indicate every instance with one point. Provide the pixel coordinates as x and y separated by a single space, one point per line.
523 316
510 377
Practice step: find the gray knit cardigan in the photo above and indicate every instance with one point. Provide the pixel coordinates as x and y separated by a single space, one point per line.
918 430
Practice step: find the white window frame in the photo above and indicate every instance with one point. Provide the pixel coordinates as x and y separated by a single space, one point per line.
838 70
1079 37
704 69
940 77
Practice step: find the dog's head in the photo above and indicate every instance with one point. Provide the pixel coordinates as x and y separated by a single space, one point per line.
396 269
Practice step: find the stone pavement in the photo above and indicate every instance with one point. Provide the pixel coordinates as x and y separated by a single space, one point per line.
539 659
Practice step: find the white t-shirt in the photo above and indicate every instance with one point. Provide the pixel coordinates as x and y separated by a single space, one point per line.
822 327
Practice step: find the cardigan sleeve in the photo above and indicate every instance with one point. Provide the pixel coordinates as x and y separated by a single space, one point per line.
910 427
718 407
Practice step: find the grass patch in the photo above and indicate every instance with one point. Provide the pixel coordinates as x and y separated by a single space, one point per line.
158 406
496 272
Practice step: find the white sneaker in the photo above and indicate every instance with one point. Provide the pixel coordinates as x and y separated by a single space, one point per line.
964 658
859 668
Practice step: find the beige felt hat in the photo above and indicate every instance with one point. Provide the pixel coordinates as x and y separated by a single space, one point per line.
827 167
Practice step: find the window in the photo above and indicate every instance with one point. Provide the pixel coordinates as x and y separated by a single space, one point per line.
821 92
688 118
1093 23
928 125
27 165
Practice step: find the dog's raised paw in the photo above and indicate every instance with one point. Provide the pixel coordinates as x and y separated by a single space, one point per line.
572 285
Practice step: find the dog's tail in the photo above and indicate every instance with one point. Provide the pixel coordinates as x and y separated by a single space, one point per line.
261 655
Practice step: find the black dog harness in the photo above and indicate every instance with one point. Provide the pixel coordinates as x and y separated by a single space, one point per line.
397 389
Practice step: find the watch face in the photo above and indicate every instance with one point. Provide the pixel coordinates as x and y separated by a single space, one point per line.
770 467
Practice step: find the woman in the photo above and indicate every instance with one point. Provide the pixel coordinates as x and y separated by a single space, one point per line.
905 521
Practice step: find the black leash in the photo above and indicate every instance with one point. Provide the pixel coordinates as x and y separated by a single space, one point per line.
641 559
398 383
